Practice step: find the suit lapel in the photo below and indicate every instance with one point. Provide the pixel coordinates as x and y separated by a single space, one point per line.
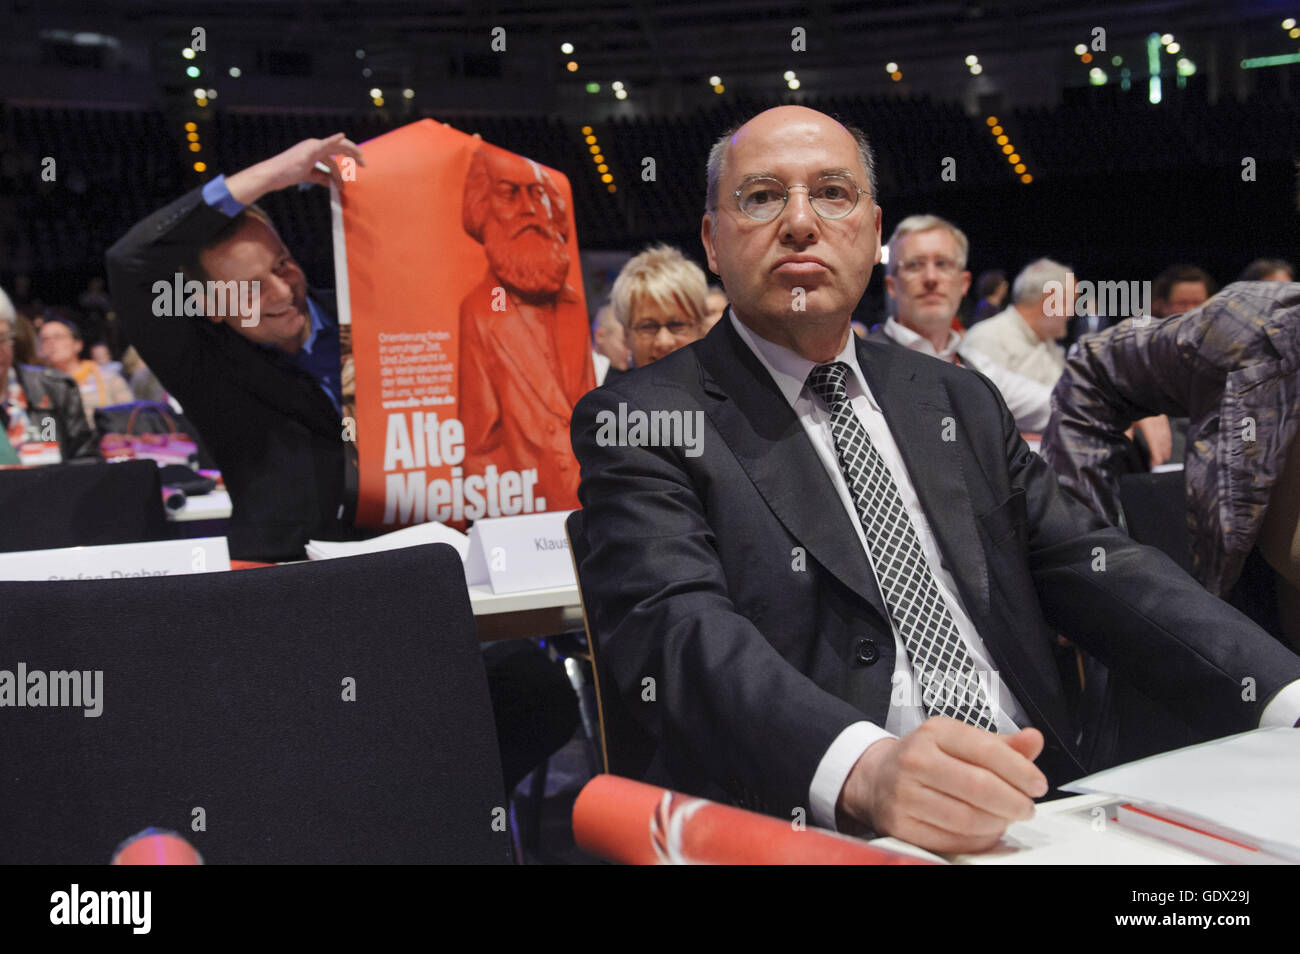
761 428
920 416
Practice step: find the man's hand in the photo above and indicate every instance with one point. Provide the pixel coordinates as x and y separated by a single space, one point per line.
947 787
1159 438
296 164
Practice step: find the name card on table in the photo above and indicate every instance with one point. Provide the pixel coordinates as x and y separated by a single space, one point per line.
512 554
118 562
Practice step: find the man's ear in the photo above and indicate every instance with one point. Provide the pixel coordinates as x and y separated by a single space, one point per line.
965 283
889 284
706 236
878 246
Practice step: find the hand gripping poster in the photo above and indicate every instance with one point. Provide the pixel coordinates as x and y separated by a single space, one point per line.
464 329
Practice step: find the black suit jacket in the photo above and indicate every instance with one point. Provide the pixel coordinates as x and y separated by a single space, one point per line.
734 583
273 432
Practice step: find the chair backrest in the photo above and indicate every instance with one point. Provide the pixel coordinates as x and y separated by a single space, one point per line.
328 712
81 505
625 747
1155 511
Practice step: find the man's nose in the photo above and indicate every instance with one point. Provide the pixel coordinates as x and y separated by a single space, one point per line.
664 338
799 221
276 289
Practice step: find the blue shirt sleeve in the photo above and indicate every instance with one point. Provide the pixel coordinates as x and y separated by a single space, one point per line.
217 195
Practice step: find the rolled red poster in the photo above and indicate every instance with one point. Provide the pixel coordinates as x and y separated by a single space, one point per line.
156 846
633 823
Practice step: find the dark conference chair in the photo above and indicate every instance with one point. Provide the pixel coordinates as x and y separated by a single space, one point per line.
81 505
626 748
330 712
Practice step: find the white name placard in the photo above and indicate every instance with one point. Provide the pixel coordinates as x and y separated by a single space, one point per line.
119 562
512 554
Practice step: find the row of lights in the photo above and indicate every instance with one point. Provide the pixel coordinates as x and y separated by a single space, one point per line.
791 79
1292 30
1008 149
192 137
894 73
602 168
973 64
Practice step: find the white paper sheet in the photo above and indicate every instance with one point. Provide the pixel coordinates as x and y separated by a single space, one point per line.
1248 784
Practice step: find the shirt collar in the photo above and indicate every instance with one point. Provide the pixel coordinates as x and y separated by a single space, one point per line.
915 342
317 323
790 371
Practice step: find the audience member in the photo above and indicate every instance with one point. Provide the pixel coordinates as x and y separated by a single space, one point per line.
38 405
102 356
61 346
611 348
659 297
1268 270
926 277
1022 337
746 578
1236 385
1180 288
991 291
263 389
25 349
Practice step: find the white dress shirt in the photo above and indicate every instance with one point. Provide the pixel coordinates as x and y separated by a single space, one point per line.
790 372
1029 401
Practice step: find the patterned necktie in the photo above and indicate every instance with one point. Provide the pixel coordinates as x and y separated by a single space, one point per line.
940 659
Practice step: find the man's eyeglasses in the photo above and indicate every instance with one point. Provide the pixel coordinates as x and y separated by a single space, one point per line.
832 197
650 329
916 266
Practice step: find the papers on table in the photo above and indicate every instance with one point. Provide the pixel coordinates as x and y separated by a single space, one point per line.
1245 788
415 536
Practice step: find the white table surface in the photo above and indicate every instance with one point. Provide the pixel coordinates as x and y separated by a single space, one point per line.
486 603
1068 831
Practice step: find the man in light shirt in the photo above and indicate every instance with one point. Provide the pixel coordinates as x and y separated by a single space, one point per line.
927 278
1022 338
851 520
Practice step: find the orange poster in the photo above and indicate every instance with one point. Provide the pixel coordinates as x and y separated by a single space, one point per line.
464 329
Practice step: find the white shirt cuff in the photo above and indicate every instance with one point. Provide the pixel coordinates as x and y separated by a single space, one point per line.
833 770
1283 710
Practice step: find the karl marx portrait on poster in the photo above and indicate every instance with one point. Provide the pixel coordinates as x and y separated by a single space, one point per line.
525 357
